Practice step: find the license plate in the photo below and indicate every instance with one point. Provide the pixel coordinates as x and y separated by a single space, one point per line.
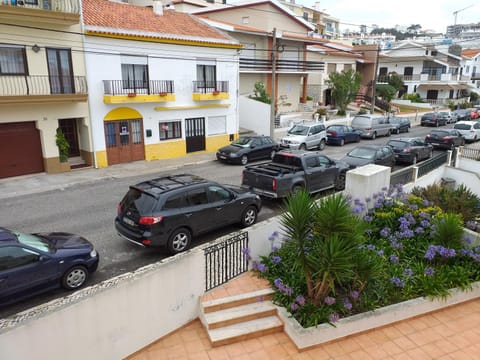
128 221
223 157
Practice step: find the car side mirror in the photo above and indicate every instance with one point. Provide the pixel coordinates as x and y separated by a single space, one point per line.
43 258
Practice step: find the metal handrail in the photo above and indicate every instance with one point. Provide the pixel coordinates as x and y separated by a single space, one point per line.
140 87
24 85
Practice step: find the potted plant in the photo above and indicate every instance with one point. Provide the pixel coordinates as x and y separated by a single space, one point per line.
163 93
63 145
216 92
132 94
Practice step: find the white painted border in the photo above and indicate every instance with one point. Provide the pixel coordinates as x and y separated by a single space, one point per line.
308 337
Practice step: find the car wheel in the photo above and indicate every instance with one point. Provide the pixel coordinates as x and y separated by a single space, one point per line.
357 139
302 147
244 160
321 146
342 142
179 241
296 189
75 277
249 216
408 129
374 136
272 154
389 132
340 184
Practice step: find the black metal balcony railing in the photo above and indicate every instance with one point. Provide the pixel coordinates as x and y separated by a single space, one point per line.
66 6
42 85
208 87
282 65
140 87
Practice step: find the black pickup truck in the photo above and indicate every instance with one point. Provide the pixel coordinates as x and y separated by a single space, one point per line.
292 170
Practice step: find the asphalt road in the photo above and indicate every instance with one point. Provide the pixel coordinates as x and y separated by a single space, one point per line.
89 210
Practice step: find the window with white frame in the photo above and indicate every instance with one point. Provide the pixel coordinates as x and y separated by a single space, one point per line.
134 72
206 78
13 60
217 125
170 130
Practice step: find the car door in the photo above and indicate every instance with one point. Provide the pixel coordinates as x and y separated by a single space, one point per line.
257 149
23 270
313 136
198 211
383 156
420 148
318 173
476 127
223 208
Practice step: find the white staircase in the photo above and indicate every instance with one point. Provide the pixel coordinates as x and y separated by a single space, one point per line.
240 317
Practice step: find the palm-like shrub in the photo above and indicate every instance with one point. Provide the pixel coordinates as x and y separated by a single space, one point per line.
339 258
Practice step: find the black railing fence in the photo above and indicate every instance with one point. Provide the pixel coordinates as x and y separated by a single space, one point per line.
225 260
140 87
407 175
209 87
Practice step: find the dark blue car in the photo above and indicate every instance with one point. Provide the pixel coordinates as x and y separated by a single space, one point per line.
342 134
35 263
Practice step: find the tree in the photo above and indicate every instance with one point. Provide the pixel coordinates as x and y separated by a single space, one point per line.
414 28
395 80
385 91
344 86
261 93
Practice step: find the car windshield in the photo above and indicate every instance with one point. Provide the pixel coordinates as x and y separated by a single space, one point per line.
242 141
298 130
394 120
36 242
362 153
398 144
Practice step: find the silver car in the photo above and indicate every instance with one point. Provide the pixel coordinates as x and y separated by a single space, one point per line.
305 135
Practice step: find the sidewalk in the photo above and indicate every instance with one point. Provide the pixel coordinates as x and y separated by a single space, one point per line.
43 182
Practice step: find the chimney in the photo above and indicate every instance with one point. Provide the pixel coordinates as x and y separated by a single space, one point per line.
158 7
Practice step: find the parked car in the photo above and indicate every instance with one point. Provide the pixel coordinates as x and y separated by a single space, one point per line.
342 134
371 126
410 150
248 148
445 138
370 154
474 114
469 129
433 119
399 124
451 117
462 114
170 211
305 135
35 263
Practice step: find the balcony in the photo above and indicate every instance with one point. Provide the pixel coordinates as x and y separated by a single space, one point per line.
475 76
44 88
64 12
283 66
129 91
210 90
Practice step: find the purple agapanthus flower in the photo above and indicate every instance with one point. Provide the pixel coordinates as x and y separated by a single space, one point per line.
262 267
397 281
276 259
300 300
293 306
354 294
329 300
394 259
429 271
408 273
347 304
334 317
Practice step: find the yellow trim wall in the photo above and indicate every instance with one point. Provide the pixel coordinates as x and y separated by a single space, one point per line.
101 157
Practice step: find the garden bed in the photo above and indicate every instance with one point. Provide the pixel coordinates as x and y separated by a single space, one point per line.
305 338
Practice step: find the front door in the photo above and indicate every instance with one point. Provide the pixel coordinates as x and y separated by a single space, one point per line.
60 71
195 134
124 141
69 129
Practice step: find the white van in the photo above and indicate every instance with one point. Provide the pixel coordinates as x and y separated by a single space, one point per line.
372 126
470 130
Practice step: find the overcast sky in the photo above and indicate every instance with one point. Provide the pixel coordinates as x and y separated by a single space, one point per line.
430 14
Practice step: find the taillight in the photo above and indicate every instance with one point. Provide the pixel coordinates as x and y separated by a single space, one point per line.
332 133
150 220
447 138
146 242
429 136
368 129
407 150
119 208
274 184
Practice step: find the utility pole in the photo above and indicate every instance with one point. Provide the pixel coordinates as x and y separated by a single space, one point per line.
372 110
274 80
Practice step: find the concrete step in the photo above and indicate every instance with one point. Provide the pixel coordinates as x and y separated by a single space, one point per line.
245 330
238 314
236 300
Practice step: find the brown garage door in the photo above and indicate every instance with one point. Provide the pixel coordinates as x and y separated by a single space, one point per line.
20 149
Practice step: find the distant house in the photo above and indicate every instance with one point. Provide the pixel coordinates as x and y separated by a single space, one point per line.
434 74
163 83
471 67
42 87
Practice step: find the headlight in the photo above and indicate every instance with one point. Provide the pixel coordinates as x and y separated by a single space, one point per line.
93 253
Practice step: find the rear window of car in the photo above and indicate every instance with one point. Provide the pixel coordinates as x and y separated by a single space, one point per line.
336 128
440 133
139 200
462 126
398 144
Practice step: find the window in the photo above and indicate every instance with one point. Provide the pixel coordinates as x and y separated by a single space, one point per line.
14 256
135 76
245 20
170 130
197 197
331 68
347 67
12 60
217 193
175 202
206 77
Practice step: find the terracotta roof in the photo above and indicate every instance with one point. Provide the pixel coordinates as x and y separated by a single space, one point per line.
470 53
103 16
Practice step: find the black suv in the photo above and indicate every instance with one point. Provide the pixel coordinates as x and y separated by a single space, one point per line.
168 211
